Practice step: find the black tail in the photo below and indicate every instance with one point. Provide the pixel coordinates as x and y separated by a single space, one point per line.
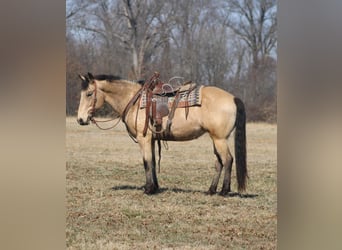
240 145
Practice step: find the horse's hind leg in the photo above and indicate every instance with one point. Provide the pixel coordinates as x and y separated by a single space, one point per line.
227 174
218 168
224 160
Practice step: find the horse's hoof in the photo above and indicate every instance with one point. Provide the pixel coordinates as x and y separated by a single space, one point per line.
224 192
151 190
210 192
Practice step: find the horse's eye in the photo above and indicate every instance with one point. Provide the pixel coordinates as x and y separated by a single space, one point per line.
89 94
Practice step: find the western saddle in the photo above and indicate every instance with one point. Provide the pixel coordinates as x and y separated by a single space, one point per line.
157 102
156 95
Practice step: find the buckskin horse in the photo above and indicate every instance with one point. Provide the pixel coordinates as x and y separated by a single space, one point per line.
218 114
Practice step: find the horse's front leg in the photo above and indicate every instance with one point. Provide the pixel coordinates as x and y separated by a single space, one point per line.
147 147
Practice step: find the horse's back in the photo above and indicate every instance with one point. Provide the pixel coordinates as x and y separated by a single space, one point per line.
215 100
217 93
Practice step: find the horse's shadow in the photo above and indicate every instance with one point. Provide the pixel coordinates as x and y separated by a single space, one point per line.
160 191
181 190
127 187
236 194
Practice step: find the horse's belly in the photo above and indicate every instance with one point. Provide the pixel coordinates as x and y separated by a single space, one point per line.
182 130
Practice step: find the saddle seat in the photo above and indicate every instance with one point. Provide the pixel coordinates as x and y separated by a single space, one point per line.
163 89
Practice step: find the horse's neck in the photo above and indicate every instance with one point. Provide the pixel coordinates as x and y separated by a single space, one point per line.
119 93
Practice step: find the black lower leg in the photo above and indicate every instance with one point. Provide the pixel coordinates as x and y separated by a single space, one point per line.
227 176
151 186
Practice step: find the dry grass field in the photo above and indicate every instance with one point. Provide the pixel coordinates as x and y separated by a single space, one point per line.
106 207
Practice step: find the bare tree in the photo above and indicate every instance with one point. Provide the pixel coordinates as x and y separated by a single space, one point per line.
199 41
74 6
254 21
131 25
73 65
216 58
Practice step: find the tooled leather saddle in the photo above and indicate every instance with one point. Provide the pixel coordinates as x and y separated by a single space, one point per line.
161 99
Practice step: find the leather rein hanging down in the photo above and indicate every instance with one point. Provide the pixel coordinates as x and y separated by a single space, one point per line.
147 87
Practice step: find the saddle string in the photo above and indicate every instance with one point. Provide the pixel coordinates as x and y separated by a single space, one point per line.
166 146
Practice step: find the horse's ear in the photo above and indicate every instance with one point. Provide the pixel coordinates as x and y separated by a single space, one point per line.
82 77
90 75
85 81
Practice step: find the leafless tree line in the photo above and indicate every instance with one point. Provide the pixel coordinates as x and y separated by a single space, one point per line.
230 44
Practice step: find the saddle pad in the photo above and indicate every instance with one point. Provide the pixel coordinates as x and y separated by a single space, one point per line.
186 99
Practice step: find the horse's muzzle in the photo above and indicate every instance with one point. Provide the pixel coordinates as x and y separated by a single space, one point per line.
82 122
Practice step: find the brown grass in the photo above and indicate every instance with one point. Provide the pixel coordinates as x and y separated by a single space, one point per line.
106 207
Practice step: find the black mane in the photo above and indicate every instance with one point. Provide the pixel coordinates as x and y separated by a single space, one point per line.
108 78
103 77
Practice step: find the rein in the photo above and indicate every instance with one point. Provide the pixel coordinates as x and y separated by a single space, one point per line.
92 113
97 121
134 99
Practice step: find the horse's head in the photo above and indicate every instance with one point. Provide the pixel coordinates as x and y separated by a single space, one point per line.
92 98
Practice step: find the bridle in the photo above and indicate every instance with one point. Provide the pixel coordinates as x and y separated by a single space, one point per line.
92 112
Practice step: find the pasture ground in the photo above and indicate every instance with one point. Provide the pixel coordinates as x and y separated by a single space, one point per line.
106 207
